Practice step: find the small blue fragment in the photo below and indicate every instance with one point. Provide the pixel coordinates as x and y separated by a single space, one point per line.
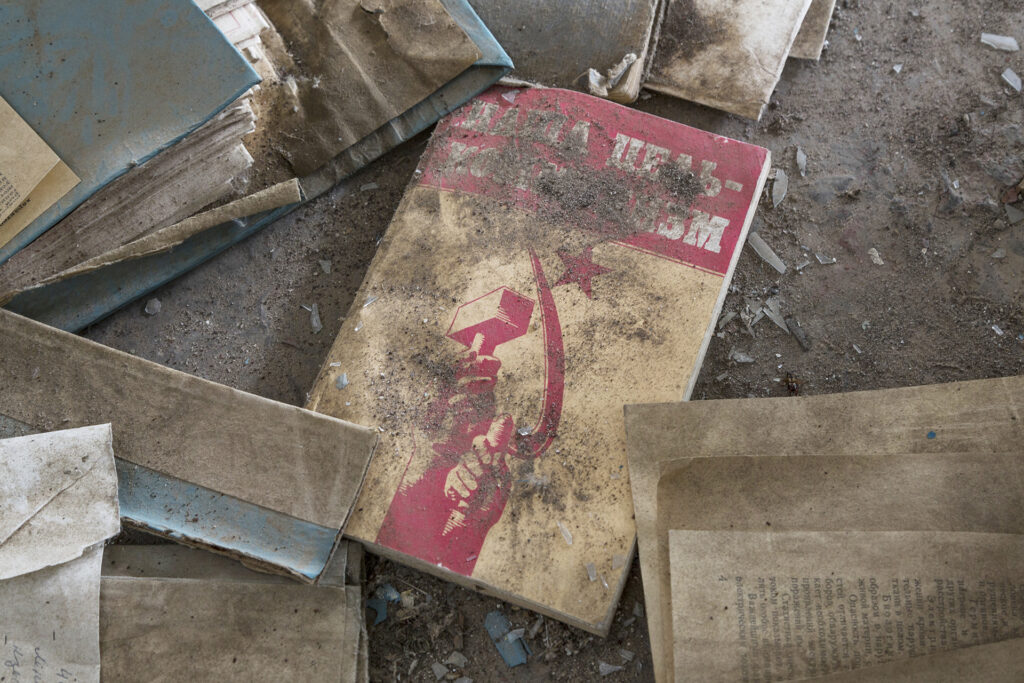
512 649
387 592
931 435
380 607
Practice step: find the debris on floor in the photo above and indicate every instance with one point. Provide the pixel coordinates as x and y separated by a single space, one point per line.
511 646
469 268
1005 43
766 253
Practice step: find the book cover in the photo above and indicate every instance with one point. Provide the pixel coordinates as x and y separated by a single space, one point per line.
555 257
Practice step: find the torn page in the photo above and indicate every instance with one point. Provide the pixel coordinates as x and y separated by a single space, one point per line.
31 174
162 240
755 606
725 55
162 615
58 504
25 159
58 496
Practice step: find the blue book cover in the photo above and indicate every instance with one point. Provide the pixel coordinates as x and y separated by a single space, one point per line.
109 83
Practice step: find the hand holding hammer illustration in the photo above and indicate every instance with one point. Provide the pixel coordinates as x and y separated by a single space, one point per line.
482 438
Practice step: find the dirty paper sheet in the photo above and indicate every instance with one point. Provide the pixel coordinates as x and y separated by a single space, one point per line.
170 187
769 606
540 311
971 421
29 173
196 460
177 612
810 41
556 43
361 63
164 239
726 55
58 503
1001 662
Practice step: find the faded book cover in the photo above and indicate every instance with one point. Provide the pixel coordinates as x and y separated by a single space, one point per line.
555 257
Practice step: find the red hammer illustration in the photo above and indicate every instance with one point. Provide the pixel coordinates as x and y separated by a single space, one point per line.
501 316
482 325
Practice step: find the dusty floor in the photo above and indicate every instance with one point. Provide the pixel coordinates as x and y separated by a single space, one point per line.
912 164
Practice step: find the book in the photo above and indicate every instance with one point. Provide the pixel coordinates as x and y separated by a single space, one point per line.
555 257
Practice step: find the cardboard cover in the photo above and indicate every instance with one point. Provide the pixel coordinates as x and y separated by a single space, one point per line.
725 55
557 43
362 63
973 453
556 256
180 614
197 461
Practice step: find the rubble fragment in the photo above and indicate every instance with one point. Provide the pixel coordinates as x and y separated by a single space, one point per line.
511 646
797 331
765 252
608 669
780 187
1004 43
1012 79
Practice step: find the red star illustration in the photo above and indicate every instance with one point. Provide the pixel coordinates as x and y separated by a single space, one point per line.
580 269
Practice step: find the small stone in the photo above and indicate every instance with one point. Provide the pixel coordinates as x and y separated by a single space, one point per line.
342 381
457 659
1014 215
999 253
153 307
801 161
627 655
440 670
876 258
325 266
897 68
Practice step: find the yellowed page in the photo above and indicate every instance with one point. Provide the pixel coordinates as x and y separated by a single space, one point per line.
768 606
